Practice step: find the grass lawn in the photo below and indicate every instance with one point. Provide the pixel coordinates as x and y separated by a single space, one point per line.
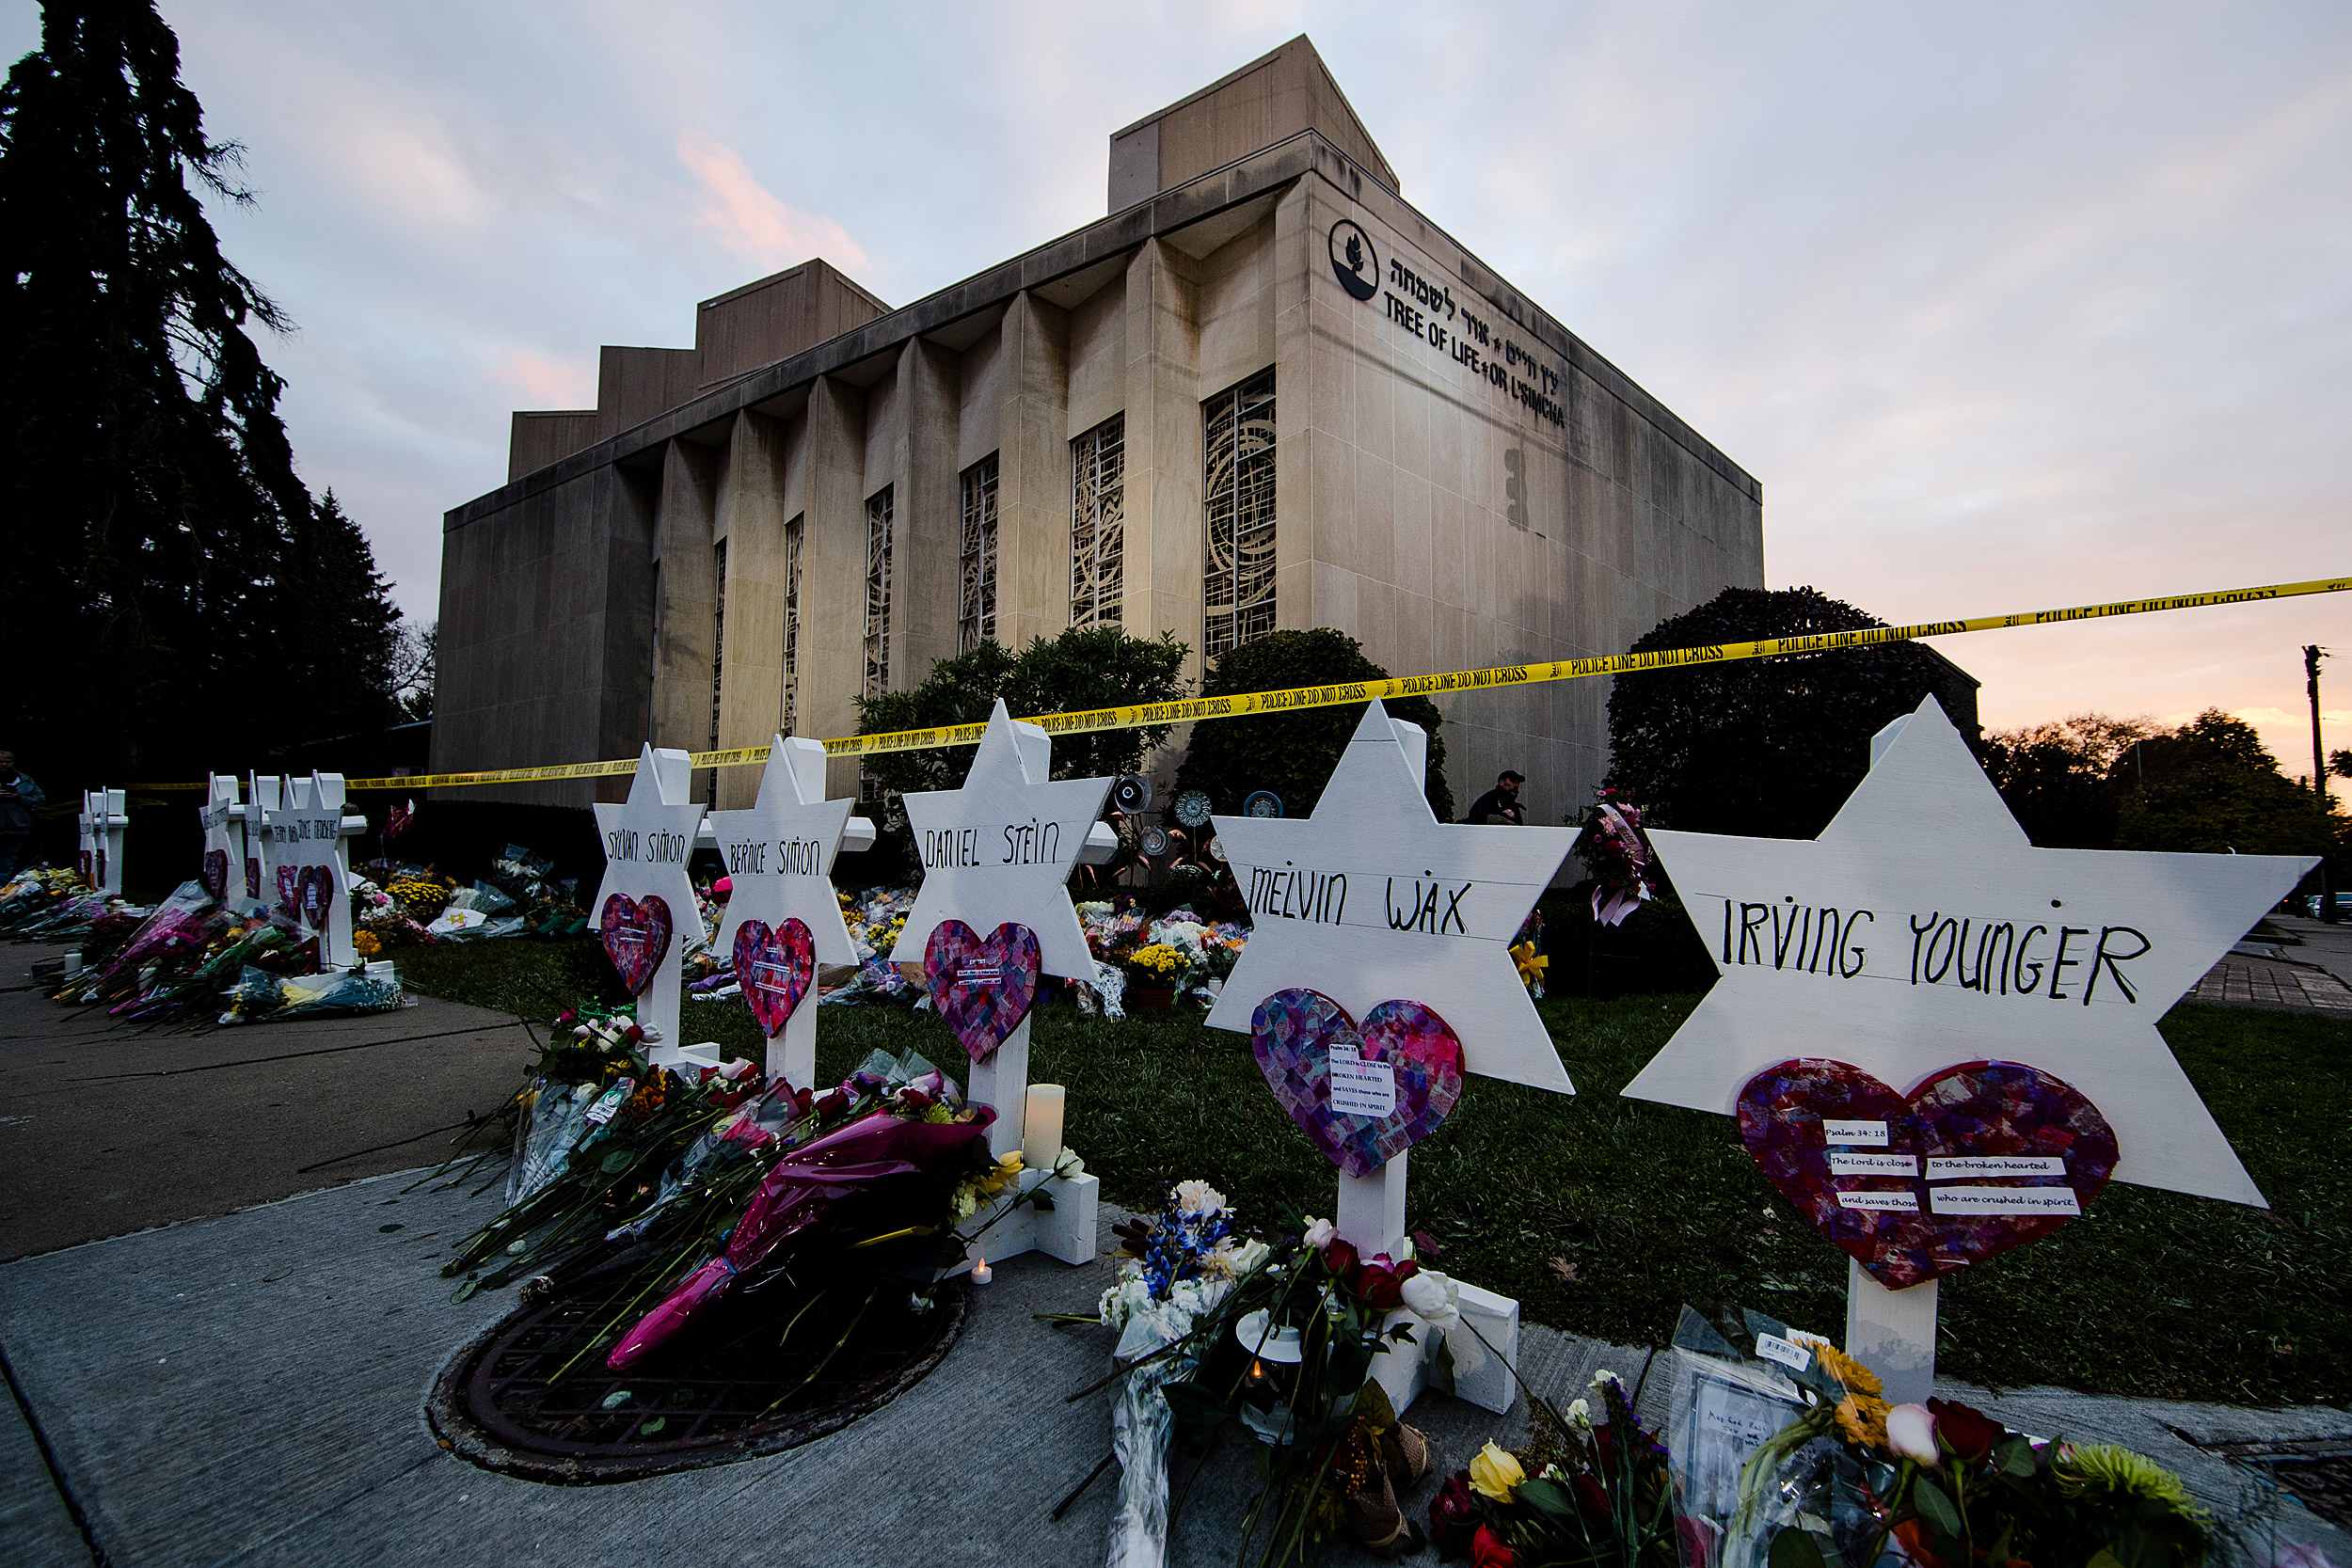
1643 1208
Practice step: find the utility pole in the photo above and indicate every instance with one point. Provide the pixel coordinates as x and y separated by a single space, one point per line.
2313 654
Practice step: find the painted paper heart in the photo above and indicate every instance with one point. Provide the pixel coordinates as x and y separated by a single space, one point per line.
215 873
1402 1056
316 889
982 986
290 891
1977 1158
775 965
636 937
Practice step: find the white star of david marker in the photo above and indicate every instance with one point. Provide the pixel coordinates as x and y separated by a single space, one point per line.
1373 899
648 839
1922 931
1001 848
779 853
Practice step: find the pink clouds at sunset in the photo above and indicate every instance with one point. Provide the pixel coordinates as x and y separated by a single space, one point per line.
746 218
2009 309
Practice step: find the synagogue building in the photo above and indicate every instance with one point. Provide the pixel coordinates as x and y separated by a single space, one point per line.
1264 393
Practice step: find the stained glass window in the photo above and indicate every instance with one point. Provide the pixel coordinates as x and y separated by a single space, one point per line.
1097 523
878 512
792 532
1237 485
718 632
975 614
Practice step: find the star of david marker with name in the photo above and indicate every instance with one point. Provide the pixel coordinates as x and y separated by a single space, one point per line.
1922 932
999 851
310 865
1372 909
648 839
1371 898
779 854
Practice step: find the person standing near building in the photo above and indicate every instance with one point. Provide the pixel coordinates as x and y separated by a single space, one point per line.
1500 804
18 795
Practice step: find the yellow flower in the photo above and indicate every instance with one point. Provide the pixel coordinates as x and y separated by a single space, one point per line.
366 943
1532 964
1495 1474
1863 1419
1857 1378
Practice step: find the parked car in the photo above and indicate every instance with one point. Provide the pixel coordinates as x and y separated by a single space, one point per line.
2344 905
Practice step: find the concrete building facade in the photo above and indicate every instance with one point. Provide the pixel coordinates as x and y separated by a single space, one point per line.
1264 393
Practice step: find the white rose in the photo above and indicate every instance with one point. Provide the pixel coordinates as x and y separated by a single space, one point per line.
1319 1232
1198 1197
1426 1297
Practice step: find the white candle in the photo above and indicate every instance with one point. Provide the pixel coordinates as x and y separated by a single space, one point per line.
981 1273
1040 1127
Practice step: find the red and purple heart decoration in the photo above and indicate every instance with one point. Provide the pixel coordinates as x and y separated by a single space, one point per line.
775 965
982 986
636 937
1293 1035
1978 1158
215 874
317 889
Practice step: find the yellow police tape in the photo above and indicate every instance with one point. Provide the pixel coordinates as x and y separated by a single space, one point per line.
1244 704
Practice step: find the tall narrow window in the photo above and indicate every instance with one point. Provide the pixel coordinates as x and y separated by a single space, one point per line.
792 532
877 510
718 632
975 614
1098 462
1237 486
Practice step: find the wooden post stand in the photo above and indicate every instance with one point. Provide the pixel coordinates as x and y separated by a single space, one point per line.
1892 1333
1066 1231
1370 1218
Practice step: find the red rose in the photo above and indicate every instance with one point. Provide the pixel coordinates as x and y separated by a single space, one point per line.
1488 1550
833 1104
1590 1496
1451 1515
1339 1256
1383 1289
1969 1433
914 1100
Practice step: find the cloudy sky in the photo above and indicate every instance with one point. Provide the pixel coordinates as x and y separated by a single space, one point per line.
2010 308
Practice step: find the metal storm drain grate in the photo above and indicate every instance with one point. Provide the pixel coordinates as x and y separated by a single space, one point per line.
754 1379
2316 1470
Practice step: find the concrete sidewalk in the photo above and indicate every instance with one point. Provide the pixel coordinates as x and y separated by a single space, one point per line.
249 1389
105 1130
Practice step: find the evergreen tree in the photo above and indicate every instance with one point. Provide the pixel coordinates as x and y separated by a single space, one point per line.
342 631
1771 747
1293 754
150 489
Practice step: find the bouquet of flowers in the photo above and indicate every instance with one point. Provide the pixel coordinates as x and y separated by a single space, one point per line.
1276 1339
1583 1493
666 1184
1179 1264
1849 1477
1617 852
